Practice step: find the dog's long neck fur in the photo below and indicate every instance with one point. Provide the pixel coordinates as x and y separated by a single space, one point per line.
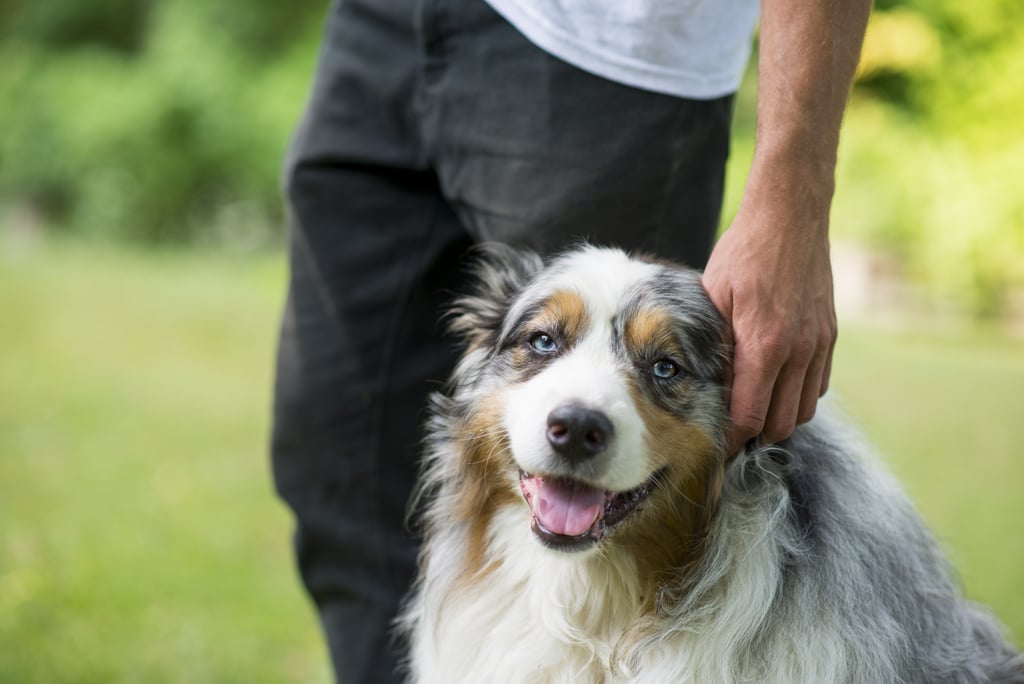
612 612
578 619
764 598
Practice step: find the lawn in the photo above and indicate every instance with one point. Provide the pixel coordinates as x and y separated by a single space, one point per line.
140 539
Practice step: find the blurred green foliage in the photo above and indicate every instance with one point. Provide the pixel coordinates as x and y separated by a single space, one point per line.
151 120
933 150
166 121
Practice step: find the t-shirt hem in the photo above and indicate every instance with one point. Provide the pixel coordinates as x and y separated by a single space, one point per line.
617 67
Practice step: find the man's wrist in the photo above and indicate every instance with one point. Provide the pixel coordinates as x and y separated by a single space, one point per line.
786 191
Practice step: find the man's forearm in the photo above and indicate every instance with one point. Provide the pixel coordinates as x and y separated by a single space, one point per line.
808 55
770 274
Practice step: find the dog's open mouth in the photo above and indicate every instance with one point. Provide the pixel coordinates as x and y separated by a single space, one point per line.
571 515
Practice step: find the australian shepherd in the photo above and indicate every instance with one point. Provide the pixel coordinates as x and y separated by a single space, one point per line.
584 524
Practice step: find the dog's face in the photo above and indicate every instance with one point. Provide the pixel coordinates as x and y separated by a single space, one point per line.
597 385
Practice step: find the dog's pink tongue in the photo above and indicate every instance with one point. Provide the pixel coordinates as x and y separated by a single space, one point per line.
568 508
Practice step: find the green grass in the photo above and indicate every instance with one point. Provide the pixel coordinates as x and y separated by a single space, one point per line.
140 539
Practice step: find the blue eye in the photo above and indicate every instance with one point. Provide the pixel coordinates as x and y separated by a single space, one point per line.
543 343
664 369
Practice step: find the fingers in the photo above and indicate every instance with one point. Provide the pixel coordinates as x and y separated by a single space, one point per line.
826 372
776 385
753 377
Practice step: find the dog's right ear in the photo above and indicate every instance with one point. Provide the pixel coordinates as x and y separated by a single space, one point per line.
500 273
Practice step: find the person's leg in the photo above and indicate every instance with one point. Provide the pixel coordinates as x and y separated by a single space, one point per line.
353 374
374 250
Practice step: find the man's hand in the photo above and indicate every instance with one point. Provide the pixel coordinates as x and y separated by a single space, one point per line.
771 278
770 274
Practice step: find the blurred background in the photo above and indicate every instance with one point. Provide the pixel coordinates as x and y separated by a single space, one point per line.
142 274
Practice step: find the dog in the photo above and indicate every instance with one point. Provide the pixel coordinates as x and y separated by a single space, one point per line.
582 522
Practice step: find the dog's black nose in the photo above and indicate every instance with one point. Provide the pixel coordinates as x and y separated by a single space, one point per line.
578 433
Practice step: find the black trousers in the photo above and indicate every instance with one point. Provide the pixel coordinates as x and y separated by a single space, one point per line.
433 125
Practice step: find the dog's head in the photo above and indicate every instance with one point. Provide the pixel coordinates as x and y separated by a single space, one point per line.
591 393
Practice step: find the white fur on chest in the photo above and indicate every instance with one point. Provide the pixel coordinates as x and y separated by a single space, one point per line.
538 616
541 616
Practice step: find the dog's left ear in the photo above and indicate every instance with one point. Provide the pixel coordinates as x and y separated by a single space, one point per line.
500 273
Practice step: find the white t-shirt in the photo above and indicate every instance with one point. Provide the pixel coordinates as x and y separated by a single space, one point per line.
692 48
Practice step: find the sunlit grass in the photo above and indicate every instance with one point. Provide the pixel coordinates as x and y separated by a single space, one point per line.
140 539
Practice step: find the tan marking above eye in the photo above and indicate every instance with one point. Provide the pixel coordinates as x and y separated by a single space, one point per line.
650 331
564 311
